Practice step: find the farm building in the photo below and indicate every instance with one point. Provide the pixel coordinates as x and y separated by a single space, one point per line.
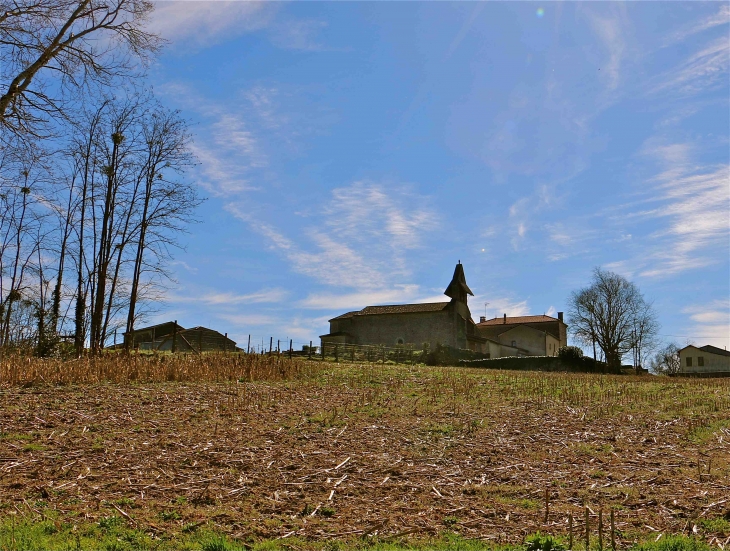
704 361
524 335
170 336
446 323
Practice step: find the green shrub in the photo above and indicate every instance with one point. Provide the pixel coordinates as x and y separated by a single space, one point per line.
570 353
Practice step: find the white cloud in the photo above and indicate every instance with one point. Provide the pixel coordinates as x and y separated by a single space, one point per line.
695 200
703 71
298 35
722 17
352 301
202 23
227 147
227 298
362 240
610 30
247 320
710 323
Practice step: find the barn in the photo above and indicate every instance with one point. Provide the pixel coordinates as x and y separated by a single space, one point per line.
172 337
704 361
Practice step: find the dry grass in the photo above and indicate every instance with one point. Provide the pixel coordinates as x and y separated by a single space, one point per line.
265 448
121 368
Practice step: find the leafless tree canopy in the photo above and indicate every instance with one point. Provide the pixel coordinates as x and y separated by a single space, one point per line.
53 50
613 314
84 241
666 361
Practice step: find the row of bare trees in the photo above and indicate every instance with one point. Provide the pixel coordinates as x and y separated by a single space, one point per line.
93 193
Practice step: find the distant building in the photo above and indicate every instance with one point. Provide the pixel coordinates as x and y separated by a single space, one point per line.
170 336
707 361
446 323
524 335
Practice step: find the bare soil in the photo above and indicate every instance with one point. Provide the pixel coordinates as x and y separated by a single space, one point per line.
375 453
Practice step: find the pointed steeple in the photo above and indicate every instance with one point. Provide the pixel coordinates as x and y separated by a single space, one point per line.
458 289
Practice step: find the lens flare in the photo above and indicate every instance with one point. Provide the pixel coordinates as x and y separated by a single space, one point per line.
540 12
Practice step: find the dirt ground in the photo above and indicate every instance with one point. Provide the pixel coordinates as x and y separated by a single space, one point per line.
390 454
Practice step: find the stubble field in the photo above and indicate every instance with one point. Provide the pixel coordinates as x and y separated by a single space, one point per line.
294 454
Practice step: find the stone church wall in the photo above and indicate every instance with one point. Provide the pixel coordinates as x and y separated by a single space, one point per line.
414 328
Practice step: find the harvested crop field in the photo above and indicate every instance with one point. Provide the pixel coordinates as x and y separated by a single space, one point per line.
374 452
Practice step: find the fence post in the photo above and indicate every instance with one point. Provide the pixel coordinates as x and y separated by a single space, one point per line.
600 530
225 343
570 532
173 348
613 533
290 344
248 348
278 346
310 350
271 345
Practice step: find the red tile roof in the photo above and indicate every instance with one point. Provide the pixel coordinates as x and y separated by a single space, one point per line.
518 320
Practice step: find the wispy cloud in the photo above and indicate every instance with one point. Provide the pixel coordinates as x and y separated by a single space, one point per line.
202 23
721 17
228 149
362 241
298 34
350 301
610 29
524 210
217 298
709 323
197 24
689 205
703 71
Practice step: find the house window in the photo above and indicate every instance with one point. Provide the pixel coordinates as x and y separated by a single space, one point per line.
700 361
514 343
689 361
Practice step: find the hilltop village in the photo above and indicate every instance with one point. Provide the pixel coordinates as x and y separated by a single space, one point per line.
450 323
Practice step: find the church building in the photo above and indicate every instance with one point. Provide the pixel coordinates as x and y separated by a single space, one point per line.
446 323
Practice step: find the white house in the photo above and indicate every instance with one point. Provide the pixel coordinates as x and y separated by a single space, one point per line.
707 361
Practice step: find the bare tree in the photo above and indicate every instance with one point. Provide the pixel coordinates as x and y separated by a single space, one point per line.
167 200
612 313
52 50
666 361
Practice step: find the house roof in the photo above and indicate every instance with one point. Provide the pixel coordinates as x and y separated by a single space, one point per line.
201 328
149 327
396 309
710 349
715 350
516 320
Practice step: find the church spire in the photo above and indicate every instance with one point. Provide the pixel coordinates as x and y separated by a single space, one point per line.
458 289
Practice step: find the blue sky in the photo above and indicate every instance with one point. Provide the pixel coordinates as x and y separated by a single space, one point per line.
352 153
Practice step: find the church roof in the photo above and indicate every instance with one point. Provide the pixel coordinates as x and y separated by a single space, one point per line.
458 289
403 308
396 309
517 320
